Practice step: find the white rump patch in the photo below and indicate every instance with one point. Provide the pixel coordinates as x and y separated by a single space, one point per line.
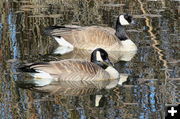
122 20
98 56
65 47
42 78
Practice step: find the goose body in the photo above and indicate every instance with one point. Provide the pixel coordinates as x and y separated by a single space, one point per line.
74 71
69 70
92 37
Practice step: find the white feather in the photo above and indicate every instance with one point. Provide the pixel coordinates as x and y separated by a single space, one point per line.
62 42
128 45
114 74
42 82
98 56
42 78
122 20
63 50
65 47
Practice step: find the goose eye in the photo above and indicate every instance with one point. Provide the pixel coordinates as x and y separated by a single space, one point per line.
128 18
104 56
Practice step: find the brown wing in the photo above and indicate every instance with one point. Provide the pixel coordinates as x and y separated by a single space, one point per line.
88 37
73 70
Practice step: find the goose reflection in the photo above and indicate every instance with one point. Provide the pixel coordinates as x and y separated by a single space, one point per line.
114 56
68 76
72 88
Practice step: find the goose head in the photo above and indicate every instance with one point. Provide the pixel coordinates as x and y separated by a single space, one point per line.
125 19
100 57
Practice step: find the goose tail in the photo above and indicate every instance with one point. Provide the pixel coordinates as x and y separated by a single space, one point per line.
40 78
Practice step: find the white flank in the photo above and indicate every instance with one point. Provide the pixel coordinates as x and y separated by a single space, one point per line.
63 50
65 47
113 72
62 42
122 20
42 78
128 45
98 56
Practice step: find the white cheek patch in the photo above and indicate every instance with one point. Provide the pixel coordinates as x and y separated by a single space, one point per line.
123 21
98 56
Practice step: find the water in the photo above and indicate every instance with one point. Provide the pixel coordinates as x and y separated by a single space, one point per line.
153 73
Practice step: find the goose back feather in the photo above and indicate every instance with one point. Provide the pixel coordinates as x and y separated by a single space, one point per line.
71 70
88 38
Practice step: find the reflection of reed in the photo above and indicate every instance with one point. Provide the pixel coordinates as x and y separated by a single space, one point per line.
155 45
159 52
162 88
155 42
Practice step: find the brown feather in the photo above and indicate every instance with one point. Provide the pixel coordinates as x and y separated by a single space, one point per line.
73 70
93 36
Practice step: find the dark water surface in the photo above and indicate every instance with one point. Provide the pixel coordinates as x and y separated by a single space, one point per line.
153 73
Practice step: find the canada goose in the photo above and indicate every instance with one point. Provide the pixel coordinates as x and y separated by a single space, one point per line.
92 37
75 72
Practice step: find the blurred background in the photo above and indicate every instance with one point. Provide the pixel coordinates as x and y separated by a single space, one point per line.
153 73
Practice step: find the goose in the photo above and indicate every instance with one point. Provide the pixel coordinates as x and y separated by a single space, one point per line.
75 72
70 37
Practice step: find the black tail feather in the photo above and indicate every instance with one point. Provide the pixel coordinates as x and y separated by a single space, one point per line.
28 68
48 30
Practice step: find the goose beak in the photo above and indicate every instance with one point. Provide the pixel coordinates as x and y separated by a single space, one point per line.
108 62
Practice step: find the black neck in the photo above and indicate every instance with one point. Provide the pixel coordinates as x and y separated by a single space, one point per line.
93 59
101 64
120 31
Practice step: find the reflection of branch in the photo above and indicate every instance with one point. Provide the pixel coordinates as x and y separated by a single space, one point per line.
155 42
163 3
